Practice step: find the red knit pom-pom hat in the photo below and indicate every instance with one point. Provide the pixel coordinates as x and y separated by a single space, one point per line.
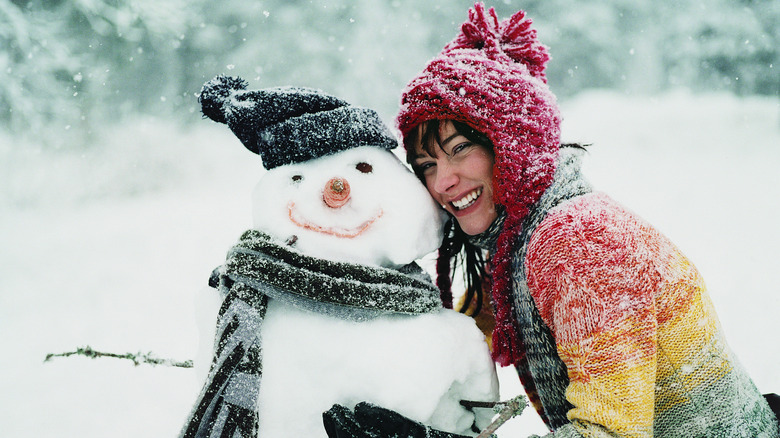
491 77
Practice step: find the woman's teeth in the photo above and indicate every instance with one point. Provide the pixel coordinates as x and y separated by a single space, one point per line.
467 200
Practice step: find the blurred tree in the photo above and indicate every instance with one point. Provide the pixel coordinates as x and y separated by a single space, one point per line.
722 45
38 71
85 63
595 60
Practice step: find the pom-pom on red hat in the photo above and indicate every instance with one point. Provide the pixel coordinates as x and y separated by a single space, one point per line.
491 77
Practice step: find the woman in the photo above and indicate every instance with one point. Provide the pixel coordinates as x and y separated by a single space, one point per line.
608 324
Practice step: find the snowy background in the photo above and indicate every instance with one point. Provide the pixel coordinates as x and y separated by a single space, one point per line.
108 230
119 273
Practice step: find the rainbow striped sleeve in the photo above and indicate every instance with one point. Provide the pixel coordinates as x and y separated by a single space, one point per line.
635 327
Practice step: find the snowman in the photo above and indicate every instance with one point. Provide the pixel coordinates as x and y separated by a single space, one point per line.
322 302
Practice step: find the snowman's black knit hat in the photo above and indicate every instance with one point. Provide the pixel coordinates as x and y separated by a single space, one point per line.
287 125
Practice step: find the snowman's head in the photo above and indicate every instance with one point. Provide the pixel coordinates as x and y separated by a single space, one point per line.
333 189
361 205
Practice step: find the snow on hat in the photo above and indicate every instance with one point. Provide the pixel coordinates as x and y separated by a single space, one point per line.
286 125
491 77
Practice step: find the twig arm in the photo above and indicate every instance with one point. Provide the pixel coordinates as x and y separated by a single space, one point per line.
137 358
506 410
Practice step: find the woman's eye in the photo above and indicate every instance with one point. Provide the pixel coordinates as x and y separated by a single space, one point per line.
364 167
460 147
296 178
425 166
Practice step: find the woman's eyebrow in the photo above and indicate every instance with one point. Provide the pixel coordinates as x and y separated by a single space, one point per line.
448 139
419 156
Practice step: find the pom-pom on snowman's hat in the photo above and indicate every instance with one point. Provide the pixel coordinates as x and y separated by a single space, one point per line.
287 125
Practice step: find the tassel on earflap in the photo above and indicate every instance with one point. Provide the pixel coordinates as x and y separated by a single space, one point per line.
507 345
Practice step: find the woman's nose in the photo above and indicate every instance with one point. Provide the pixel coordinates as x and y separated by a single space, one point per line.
336 192
446 178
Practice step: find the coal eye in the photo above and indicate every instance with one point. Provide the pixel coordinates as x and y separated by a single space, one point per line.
296 178
364 167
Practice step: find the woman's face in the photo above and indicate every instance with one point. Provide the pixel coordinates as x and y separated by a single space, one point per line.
459 177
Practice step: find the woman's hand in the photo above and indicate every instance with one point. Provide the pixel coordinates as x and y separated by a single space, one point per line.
371 421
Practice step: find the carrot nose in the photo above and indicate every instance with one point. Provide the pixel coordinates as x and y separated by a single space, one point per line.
336 192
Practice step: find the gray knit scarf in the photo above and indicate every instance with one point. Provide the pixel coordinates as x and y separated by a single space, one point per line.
258 268
541 369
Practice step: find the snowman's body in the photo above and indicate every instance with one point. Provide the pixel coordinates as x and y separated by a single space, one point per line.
420 366
361 206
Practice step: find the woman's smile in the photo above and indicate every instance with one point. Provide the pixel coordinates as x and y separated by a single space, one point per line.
467 201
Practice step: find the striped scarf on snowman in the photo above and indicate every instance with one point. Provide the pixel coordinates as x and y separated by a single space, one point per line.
258 268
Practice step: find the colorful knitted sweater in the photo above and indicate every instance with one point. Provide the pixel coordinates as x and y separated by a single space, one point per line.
619 336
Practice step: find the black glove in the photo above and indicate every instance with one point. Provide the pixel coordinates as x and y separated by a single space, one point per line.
371 421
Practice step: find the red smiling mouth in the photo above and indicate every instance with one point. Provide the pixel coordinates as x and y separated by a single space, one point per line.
468 200
333 231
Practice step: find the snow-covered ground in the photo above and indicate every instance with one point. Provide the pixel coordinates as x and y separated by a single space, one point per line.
107 247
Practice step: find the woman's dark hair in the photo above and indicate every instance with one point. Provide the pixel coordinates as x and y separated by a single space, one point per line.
456 249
